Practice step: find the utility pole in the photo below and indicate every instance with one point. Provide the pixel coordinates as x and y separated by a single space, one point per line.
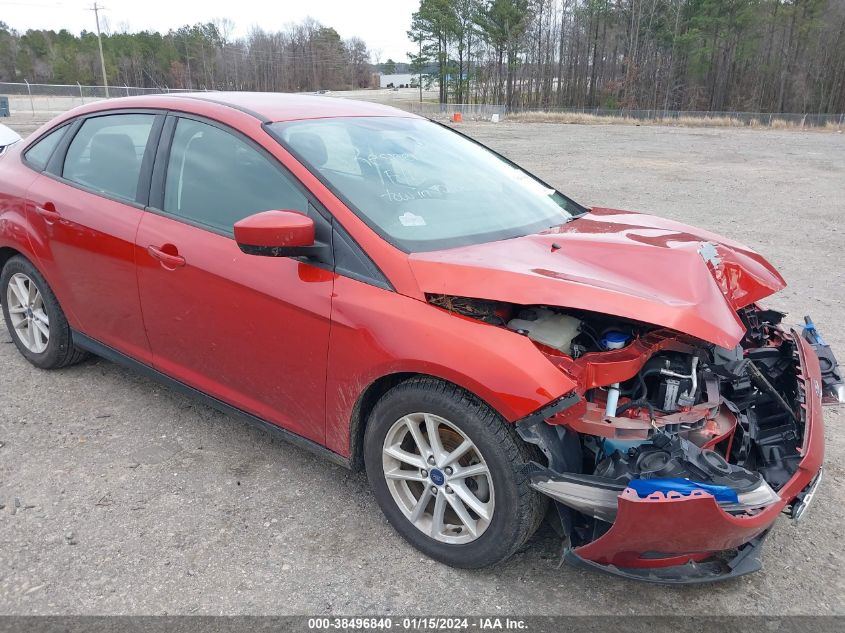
96 9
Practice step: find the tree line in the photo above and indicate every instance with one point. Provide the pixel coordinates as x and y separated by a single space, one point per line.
717 55
748 55
302 57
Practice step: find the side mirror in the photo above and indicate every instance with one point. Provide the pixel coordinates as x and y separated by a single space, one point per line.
276 234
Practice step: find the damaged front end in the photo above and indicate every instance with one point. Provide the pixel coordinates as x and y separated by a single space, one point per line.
673 457
680 455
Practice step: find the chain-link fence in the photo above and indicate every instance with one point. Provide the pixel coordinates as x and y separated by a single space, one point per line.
50 99
46 100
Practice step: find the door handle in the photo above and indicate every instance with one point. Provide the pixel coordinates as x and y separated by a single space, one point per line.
168 260
48 212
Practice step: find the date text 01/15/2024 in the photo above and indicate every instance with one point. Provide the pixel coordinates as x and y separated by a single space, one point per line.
418 623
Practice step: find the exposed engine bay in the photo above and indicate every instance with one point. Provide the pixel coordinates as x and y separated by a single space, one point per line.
661 413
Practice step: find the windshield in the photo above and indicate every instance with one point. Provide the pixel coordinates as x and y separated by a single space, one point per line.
420 185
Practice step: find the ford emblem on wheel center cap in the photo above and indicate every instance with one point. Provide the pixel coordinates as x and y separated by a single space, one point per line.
437 477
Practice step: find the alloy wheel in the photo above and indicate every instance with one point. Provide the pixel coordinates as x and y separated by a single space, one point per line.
438 478
26 311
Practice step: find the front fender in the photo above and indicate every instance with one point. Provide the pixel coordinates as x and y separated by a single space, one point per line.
376 333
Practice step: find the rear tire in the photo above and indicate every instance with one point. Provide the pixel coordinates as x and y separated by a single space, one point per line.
403 475
34 318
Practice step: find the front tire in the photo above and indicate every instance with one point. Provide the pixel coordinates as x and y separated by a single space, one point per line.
34 318
446 471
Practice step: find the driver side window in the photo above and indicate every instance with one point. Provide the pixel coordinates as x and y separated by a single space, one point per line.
215 179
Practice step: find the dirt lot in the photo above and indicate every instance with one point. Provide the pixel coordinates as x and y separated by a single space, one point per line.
136 500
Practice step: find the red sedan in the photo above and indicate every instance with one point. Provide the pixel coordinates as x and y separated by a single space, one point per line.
396 296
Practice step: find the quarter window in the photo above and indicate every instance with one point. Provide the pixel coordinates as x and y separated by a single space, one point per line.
215 179
106 153
39 154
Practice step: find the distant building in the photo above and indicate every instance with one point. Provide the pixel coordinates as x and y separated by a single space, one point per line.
396 80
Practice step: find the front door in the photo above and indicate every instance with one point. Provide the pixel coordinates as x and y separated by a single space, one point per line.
252 331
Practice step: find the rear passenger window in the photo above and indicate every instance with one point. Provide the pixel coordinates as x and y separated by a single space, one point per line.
105 155
39 154
215 179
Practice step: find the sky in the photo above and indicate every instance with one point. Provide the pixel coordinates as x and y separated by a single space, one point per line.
382 24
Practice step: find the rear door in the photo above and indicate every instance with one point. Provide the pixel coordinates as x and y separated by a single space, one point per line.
251 331
87 206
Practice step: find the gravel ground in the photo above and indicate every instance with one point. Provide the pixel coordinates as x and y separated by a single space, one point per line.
124 497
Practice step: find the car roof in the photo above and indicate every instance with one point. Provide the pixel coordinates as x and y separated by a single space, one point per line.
269 106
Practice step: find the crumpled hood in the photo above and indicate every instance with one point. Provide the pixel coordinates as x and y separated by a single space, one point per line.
626 264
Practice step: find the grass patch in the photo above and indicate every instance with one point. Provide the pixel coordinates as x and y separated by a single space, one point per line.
683 121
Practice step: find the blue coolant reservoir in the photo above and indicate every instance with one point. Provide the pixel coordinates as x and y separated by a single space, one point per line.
614 340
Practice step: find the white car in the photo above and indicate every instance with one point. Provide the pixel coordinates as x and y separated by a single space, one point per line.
8 137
